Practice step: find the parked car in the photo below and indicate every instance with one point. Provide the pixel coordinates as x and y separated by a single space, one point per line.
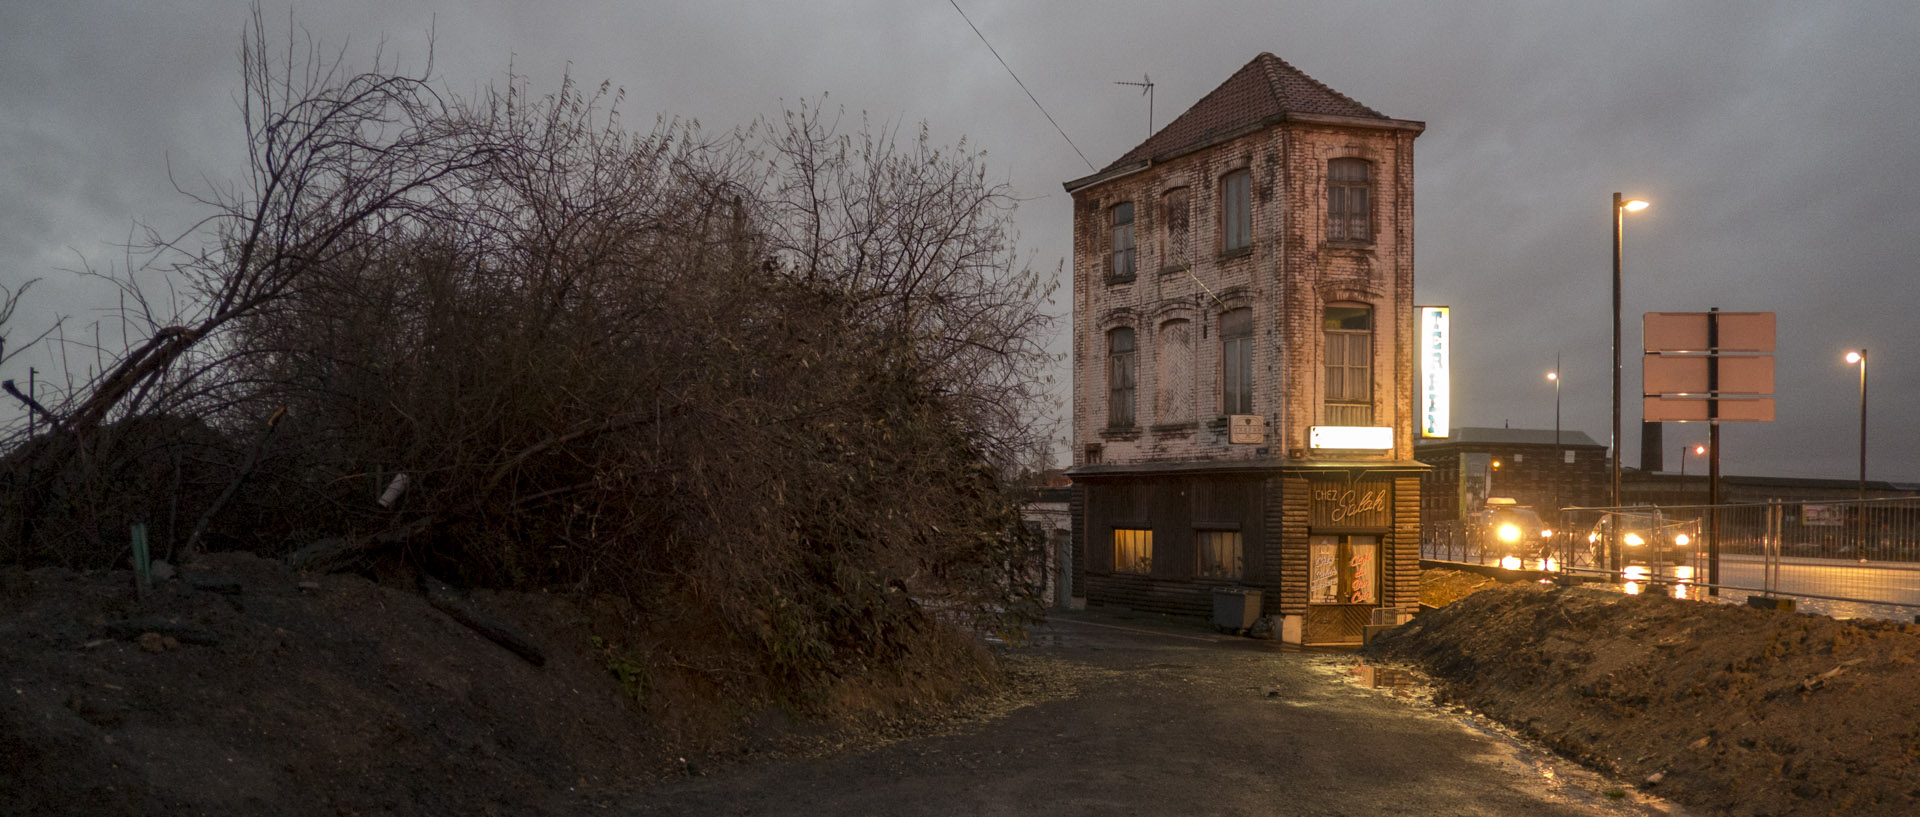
1510 535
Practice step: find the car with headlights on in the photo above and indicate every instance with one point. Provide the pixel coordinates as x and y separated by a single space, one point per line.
1511 535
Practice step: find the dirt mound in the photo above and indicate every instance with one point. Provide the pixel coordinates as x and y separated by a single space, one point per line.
243 688
1724 709
1440 587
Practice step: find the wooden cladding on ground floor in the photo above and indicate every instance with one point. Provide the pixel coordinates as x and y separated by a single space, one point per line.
1173 530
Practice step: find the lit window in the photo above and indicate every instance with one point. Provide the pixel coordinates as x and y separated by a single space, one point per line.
1123 241
1132 550
1343 570
1349 214
1349 366
1120 362
1236 211
1236 362
1221 556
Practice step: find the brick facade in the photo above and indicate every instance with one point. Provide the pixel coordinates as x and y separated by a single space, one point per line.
1284 131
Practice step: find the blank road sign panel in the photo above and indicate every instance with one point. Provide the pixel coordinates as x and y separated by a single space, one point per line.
1688 375
1687 331
1694 409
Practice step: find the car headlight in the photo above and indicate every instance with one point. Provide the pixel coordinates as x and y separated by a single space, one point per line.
1546 534
1510 562
1509 532
1682 539
1634 540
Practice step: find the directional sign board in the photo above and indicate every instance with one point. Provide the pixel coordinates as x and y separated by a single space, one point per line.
1707 366
1694 409
1669 374
1687 331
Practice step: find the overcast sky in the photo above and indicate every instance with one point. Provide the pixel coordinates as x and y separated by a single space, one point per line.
1776 140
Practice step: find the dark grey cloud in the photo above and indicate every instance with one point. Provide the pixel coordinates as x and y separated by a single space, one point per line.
1775 140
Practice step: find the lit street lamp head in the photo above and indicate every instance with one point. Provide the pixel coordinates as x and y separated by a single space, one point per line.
1855 357
1634 205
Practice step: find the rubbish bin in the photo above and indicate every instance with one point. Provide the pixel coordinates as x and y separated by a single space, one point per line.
1235 608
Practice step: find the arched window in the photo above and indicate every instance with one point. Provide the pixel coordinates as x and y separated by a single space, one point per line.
1236 362
1348 330
1349 200
1120 378
1174 385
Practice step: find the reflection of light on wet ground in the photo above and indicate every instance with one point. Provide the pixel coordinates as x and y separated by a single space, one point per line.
1635 575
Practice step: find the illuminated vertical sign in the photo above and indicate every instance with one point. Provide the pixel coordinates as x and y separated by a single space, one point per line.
1434 335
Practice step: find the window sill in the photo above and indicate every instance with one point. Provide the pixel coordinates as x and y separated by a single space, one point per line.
1117 280
1120 433
1227 255
1173 428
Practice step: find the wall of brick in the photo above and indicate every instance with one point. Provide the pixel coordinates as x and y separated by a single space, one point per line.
1287 277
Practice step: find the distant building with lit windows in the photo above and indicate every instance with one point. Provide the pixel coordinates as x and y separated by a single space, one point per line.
1243 384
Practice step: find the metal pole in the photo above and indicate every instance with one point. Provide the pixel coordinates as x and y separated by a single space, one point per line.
1713 443
1613 549
1559 458
1863 424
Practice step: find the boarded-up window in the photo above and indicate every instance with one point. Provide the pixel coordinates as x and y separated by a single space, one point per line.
1221 554
1236 211
1349 205
1175 387
1132 550
1176 220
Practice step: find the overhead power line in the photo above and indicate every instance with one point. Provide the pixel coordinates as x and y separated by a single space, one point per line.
1023 86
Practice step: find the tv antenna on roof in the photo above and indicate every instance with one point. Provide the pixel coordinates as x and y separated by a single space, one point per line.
1146 89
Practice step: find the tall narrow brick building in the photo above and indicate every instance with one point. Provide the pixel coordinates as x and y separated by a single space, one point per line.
1243 393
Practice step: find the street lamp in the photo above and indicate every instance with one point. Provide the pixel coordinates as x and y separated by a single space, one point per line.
1621 207
1860 358
1559 459
1697 449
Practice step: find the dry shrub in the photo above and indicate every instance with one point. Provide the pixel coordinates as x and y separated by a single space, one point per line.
771 382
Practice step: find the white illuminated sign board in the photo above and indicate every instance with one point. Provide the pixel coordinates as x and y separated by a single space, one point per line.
1434 336
1351 437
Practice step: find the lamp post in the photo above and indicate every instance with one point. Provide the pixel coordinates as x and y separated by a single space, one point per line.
1621 207
1559 459
1697 450
1860 358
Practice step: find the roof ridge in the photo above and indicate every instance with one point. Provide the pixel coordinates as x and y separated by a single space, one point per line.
1236 105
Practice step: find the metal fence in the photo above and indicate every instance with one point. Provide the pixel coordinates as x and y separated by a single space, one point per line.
1847 558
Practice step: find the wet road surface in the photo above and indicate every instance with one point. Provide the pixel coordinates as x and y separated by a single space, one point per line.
1174 719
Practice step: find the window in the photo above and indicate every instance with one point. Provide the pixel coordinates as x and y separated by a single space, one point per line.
1236 211
1132 550
1120 358
1221 555
1174 351
1123 241
1349 214
1236 362
1343 570
1349 386
1176 220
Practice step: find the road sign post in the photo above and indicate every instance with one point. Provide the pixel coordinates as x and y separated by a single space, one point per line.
1708 367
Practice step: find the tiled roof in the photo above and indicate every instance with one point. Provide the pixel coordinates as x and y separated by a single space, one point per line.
1265 88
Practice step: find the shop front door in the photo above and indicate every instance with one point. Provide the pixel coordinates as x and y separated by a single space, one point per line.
1343 587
